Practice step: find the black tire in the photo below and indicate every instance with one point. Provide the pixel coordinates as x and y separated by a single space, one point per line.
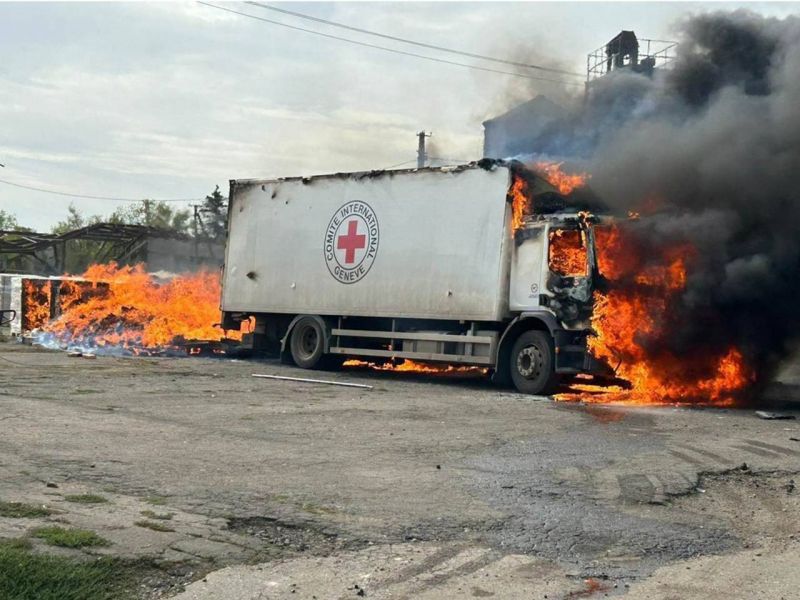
532 363
307 343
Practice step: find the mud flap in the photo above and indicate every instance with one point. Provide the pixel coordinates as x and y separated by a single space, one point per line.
572 355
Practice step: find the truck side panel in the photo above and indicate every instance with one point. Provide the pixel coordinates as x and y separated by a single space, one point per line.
426 244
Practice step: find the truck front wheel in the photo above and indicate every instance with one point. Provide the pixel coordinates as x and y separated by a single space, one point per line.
532 365
307 343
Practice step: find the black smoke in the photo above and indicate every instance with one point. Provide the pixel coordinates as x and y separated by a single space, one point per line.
712 147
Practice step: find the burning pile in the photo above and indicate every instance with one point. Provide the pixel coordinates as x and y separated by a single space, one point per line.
125 309
37 301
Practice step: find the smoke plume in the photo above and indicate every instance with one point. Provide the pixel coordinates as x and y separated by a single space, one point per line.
709 152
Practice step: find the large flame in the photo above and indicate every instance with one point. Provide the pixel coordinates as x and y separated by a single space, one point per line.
567 252
565 183
126 307
35 302
521 202
633 318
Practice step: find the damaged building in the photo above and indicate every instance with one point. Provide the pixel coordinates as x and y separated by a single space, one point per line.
553 129
47 254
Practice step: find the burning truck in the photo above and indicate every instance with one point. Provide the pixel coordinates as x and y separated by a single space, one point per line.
485 264
502 267
496 266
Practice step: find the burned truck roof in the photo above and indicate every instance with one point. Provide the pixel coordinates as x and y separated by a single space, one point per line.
485 163
579 199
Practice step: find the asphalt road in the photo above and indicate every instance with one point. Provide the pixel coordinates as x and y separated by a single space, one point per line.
420 487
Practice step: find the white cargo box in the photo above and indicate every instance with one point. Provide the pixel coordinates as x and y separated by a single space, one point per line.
428 243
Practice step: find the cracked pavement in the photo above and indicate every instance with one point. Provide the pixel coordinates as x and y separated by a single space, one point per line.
421 487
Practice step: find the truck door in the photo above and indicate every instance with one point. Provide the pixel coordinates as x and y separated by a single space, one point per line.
571 264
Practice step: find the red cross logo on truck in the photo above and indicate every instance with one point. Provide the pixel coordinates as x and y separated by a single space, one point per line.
351 242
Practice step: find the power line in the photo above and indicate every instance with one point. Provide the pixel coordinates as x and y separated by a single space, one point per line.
415 43
88 197
403 52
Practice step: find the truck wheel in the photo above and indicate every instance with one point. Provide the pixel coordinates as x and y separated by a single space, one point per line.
532 368
307 343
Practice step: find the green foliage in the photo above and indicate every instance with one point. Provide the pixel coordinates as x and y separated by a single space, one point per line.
153 214
154 526
75 220
156 500
20 510
25 575
86 499
8 221
80 253
69 538
10 261
150 213
214 214
159 516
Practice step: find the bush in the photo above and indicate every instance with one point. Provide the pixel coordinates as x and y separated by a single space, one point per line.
25 575
69 538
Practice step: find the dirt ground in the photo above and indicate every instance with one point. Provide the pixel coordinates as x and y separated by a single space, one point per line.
421 487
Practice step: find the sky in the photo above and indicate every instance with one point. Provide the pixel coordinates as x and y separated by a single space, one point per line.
167 100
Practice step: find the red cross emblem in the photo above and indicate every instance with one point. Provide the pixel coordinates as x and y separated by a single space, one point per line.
351 242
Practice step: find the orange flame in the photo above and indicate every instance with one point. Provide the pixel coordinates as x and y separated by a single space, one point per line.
415 367
568 252
565 183
519 203
126 307
637 309
36 303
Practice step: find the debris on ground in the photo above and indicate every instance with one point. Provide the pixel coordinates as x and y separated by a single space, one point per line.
773 416
309 380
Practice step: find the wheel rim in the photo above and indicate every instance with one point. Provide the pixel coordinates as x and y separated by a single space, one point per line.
308 342
529 362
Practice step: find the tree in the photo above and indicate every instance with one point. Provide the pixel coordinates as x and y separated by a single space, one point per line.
79 254
9 261
75 220
8 221
152 214
215 214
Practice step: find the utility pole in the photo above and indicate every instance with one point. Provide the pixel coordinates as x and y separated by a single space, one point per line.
422 156
196 208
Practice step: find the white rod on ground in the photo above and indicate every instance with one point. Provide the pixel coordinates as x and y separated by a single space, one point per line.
322 381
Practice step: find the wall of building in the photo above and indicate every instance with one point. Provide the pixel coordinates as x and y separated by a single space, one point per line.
180 255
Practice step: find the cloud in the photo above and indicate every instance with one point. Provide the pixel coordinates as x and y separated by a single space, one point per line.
171 99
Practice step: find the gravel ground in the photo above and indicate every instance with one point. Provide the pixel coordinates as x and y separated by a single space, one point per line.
422 487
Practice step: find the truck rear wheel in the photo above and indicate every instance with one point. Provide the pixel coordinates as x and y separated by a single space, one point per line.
307 343
532 365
